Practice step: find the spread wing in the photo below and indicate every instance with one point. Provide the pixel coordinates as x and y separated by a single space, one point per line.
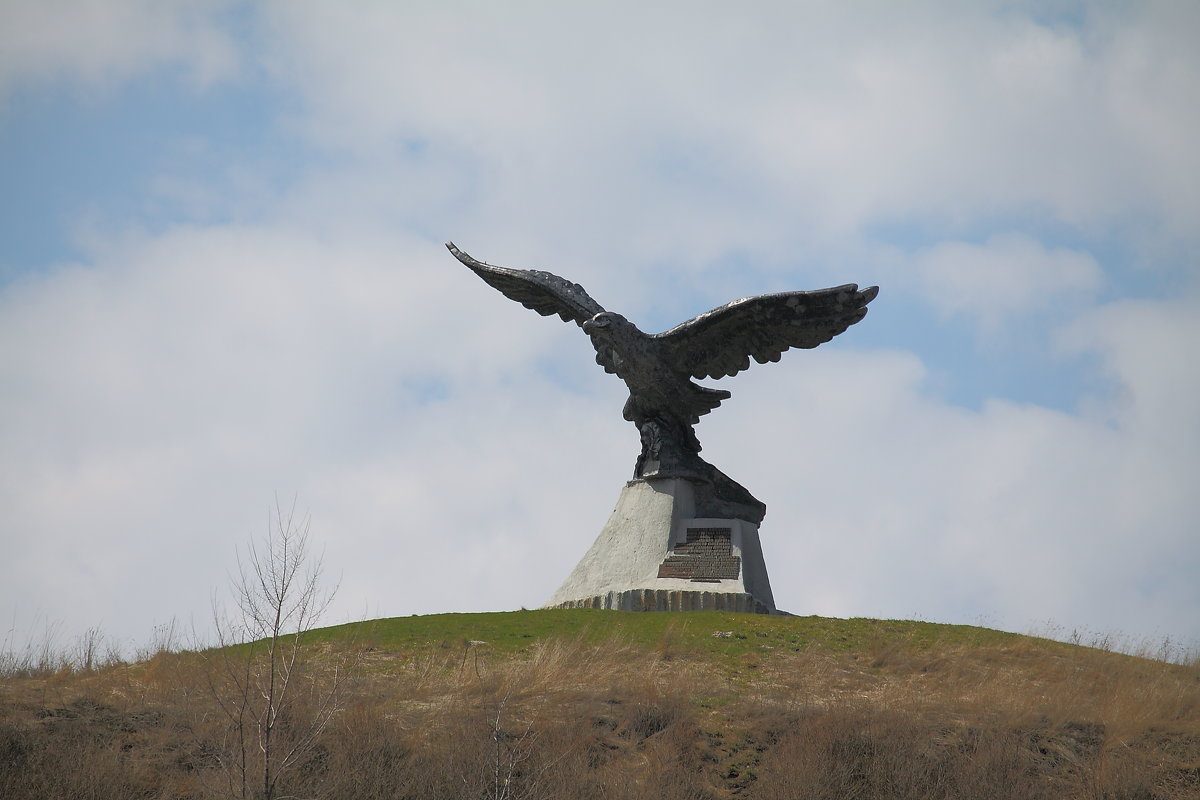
722 341
544 292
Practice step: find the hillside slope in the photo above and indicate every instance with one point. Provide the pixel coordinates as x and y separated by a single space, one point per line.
596 704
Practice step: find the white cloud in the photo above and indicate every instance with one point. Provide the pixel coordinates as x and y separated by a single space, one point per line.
1145 348
154 401
1151 91
101 42
1008 276
883 500
811 120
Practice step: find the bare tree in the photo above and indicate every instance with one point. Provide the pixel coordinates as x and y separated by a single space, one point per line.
274 707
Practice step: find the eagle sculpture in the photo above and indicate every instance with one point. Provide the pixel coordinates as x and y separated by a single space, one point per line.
664 403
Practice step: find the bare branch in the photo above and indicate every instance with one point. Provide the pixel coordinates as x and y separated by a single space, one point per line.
279 598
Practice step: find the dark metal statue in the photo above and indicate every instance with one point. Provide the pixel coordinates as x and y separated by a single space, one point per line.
663 402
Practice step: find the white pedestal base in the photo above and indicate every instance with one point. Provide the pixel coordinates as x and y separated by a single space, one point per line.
654 554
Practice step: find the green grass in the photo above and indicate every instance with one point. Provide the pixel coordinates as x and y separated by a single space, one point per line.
689 635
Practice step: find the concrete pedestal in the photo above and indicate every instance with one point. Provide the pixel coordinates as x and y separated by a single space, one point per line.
655 554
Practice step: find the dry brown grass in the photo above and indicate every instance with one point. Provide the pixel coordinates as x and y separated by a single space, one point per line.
1029 721
570 720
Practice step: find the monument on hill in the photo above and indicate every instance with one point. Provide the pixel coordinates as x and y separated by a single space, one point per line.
683 536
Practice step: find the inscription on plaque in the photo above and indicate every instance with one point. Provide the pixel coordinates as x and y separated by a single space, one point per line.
706 557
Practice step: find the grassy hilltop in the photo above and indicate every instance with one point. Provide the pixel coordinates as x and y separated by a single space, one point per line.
598 704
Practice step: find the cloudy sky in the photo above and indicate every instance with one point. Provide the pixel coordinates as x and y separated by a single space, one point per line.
222 280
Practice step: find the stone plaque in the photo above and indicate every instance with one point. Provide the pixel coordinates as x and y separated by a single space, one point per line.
706 557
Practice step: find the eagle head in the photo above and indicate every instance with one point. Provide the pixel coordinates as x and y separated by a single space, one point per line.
614 338
606 324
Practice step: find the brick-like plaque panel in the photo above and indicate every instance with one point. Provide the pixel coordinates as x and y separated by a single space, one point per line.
706 557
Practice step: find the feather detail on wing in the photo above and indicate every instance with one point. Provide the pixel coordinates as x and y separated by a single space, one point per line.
541 291
721 342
